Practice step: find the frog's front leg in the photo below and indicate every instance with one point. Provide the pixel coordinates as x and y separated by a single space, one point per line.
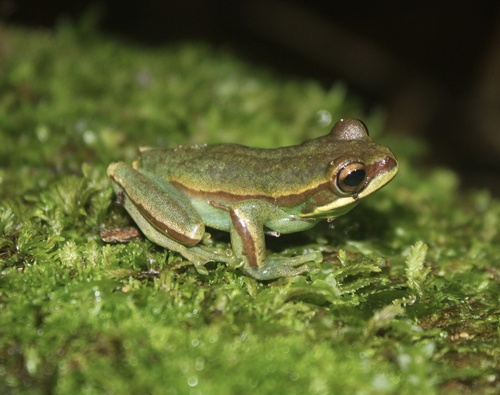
248 219
164 214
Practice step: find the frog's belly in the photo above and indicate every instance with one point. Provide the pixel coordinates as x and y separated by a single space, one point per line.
290 224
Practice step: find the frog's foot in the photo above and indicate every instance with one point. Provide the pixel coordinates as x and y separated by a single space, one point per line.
278 266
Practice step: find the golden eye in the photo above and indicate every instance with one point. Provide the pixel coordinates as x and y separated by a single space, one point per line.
351 178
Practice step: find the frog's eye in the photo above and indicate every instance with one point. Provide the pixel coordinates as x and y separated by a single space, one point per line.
351 178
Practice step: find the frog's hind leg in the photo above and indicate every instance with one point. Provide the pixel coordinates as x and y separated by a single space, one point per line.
163 213
159 204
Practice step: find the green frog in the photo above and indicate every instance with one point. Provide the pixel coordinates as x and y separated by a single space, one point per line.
174 194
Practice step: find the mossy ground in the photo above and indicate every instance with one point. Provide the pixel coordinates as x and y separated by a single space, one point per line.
406 301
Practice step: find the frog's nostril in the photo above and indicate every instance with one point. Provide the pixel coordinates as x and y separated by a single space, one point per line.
383 166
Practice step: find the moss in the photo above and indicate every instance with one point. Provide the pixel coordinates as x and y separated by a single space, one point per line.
406 301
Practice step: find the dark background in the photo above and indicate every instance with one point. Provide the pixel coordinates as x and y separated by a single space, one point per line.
435 65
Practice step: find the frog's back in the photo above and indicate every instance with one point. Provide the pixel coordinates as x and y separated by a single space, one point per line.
250 171
243 170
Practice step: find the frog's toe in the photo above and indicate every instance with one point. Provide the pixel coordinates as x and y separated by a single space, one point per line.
199 265
276 267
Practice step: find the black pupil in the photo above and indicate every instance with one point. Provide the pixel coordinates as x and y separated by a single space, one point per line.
354 178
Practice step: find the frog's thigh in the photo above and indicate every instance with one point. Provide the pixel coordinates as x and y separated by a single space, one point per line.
158 208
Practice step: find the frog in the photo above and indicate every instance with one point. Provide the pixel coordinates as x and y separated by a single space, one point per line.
175 194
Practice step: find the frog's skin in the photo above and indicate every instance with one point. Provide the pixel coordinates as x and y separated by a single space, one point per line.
172 194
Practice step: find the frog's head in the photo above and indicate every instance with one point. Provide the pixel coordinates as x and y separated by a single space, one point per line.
359 167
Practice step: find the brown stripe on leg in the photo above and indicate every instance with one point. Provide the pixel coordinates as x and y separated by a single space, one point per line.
248 242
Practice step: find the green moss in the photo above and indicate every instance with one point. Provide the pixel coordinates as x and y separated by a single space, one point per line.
406 301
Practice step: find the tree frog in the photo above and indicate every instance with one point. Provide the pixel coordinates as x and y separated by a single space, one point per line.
173 194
